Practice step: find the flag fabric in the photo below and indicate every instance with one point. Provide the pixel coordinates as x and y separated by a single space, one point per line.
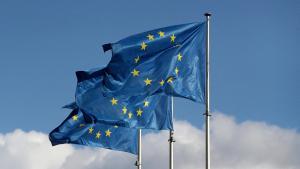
80 128
168 60
135 111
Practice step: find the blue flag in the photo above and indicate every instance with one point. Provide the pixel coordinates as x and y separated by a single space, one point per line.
133 111
80 128
168 60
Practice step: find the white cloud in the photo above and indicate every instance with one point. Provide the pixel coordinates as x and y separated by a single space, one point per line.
247 145
32 150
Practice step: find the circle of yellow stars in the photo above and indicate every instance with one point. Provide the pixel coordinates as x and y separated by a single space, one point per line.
148 81
150 37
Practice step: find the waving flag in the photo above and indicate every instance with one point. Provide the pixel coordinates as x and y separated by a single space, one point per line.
168 60
80 128
135 111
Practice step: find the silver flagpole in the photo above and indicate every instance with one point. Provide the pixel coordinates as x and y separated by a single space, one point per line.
139 157
207 112
171 138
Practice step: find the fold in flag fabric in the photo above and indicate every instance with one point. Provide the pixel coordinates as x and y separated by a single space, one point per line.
80 128
168 60
135 111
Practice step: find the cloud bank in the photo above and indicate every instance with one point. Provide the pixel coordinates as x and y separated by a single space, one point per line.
246 145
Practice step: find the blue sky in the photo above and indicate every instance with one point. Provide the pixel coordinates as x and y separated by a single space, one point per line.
254 55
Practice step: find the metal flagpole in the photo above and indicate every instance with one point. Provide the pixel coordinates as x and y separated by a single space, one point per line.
139 157
207 112
171 139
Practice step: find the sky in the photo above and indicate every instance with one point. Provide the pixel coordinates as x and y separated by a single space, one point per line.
254 60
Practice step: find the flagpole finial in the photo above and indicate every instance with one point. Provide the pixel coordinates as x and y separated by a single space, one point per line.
207 14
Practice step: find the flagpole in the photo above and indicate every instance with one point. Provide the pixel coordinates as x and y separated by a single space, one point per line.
207 112
139 157
171 138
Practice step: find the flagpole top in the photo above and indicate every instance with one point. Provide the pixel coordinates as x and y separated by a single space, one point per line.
207 14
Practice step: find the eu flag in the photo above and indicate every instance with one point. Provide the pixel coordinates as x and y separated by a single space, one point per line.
80 128
168 60
133 111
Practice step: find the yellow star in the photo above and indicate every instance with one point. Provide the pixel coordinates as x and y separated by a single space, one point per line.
176 70
139 112
130 115
98 135
173 37
146 103
135 72
91 130
161 34
143 46
147 82
179 57
170 80
75 118
162 82
150 37
137 59
124 110
107 133
114 101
